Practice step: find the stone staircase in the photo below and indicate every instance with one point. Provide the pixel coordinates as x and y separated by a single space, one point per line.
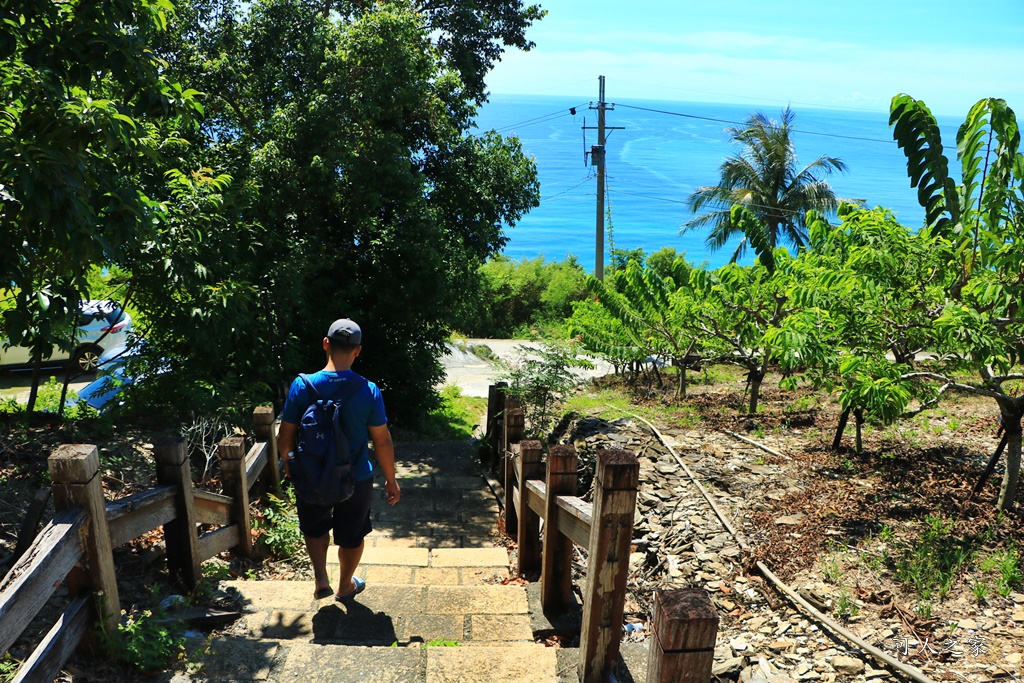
434 610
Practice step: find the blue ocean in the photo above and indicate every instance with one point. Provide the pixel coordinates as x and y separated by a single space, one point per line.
664 151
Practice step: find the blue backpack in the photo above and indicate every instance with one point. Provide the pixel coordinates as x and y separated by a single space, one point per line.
322 467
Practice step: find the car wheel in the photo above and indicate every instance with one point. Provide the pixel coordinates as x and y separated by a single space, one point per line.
86 359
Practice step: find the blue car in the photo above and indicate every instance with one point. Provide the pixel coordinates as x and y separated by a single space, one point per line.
104 392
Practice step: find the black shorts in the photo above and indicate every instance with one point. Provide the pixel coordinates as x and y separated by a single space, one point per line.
349 520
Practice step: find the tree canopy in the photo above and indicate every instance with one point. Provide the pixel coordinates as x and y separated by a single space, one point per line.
766 180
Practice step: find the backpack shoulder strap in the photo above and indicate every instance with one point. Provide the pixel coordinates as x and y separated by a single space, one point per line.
314 394
351 388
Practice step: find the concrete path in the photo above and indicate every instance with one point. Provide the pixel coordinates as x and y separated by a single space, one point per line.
438 605
473 375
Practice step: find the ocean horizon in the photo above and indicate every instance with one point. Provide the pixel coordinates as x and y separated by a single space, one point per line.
664 151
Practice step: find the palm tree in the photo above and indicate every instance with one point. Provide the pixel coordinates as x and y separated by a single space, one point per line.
763 178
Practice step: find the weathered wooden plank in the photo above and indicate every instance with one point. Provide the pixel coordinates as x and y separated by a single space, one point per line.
575 518
536 496
255 461
529 467
45 662
216 542
212 508
75 472
231 451
174 469
610 536
559 525
139 513
263 426
684 628
515 502
31 581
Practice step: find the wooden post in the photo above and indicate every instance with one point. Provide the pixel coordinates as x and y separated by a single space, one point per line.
263 423
683 629
495 421
231 452
528 557
514 425
174 468
611 534
556 573
75 472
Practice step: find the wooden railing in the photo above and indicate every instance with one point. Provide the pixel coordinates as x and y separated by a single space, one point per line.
684 625
76 547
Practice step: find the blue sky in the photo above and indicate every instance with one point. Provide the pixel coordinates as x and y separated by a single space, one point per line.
808 53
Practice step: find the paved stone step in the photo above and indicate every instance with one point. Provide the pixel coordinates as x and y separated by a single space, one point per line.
389 599
234 659
435 557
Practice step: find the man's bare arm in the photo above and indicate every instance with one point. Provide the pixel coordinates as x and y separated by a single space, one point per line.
384 449
286 441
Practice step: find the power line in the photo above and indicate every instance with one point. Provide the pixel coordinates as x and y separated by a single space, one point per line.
720 207
544 118
558 194
738 123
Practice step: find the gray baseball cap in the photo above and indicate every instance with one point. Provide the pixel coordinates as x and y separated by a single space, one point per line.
345 331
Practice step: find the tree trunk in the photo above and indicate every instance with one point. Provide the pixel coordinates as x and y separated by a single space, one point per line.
754 378
858 415
837 441
1008 491
681 388
33 393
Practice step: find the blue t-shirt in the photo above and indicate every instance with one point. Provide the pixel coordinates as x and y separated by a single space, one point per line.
365 409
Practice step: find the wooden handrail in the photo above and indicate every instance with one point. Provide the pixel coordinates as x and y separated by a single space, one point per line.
140 513
46 661
31 581
255 461
212 508
215 542
87 527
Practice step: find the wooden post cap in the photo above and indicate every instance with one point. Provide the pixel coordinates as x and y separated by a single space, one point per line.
531 451
170 450
617 470
231 448
263 415
74 463
684 620
562 458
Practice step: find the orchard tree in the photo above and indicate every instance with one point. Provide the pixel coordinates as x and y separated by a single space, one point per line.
979 326
881 285
655 313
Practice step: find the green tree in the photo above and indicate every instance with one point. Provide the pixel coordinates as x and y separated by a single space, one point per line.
881 285
743 311
766 180
87 112
978 327
357 188
656 315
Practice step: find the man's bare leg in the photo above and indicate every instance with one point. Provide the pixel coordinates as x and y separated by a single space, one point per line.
317 549
348 558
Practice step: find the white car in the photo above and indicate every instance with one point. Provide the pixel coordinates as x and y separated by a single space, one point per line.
104 325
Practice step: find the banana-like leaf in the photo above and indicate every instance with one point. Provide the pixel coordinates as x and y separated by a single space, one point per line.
917 134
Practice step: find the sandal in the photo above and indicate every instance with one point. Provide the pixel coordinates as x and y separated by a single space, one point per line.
323 593
360 586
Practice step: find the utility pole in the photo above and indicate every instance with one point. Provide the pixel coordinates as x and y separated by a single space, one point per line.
597 158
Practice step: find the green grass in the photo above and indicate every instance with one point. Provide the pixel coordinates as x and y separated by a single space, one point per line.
456 419
932 564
